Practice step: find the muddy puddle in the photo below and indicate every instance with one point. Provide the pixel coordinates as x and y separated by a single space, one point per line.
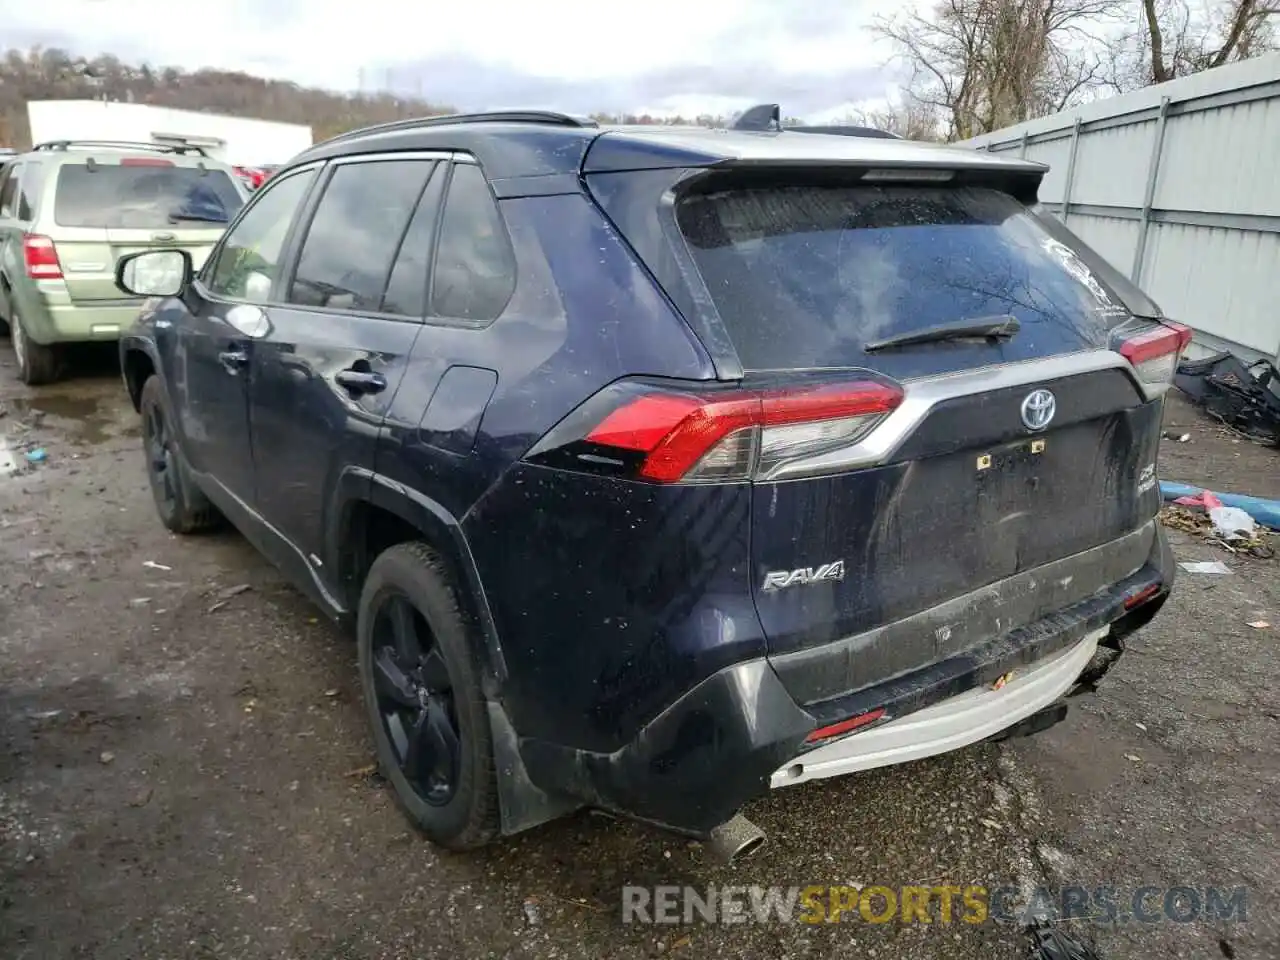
83 420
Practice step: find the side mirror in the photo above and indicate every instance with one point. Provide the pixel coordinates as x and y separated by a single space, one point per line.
154 273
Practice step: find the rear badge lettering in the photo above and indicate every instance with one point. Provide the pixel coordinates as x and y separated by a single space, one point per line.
781 579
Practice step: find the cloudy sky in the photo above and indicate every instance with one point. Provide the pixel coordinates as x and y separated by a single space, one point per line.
815 57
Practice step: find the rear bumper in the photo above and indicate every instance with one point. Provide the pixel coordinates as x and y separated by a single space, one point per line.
741 731
950 724
49 316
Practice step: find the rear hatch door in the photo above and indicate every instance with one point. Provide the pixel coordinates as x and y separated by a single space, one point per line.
110 206
1008 452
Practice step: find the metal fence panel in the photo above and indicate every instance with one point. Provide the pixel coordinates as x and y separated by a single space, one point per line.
1178 185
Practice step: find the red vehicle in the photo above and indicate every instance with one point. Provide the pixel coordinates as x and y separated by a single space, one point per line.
251 177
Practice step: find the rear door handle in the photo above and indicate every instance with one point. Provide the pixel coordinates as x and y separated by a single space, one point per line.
233 360
361 381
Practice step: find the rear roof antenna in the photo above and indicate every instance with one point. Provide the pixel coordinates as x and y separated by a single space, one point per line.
763 116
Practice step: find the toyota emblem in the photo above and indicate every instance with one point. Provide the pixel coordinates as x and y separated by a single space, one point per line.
1038 409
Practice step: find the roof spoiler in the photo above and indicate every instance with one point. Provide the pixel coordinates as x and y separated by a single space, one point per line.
767 118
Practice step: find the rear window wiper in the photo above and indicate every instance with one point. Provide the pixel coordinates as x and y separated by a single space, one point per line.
1002 327
197 217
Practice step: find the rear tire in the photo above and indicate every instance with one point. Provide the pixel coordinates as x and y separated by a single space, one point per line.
37 363
421 686
183 508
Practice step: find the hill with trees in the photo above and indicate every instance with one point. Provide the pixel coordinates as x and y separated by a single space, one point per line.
53 74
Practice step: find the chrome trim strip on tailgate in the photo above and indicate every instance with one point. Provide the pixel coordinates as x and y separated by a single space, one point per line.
924 394
836 669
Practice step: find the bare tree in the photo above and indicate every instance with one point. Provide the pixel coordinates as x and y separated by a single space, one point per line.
1167 39
910 119
987 64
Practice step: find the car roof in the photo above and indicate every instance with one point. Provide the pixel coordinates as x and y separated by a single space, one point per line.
536 144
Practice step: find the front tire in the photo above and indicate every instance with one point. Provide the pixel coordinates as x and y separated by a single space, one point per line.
37 363
422 691
183 508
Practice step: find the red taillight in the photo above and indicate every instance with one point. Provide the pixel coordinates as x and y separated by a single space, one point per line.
735 436
1154 353
41 258
145 162
845 726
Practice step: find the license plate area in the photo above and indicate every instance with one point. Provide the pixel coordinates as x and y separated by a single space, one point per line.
1014 473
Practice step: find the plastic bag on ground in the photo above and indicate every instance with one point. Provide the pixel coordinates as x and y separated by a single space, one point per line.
1232 523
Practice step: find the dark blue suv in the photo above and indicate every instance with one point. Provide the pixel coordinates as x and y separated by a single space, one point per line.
658 468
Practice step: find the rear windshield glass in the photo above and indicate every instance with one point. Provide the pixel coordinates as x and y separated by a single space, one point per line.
806 276
109 195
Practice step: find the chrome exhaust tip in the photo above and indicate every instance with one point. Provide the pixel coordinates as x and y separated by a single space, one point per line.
735 839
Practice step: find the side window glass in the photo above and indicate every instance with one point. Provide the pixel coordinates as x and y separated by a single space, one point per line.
28 186
407 287
8 190
475 271
249 261
347 256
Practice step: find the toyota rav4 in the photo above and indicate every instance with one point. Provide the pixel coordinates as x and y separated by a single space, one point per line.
661 468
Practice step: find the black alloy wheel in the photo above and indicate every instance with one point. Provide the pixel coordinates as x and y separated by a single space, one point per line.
161 470
415 699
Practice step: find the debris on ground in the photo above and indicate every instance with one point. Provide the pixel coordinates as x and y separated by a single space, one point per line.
106 756
38 455
1232 523
1264 511
141 798
1177 437
1223 526
224 596
1259 624
1206 566
152 565
1054 943
1244 397
365 771
532 915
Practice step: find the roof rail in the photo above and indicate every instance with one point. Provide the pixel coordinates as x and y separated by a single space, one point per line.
178 148
443 120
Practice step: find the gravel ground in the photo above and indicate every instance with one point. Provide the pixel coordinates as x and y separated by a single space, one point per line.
184 767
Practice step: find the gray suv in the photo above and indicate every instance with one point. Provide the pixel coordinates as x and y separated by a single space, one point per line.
69 210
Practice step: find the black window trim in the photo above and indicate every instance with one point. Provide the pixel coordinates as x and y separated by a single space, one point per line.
200 281
440 320
297 238
11 173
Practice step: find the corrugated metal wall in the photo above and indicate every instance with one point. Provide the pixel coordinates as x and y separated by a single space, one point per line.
1178 185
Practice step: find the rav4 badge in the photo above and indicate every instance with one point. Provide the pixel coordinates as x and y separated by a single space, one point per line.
827 573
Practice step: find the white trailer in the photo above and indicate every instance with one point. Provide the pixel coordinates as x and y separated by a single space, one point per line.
239 141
